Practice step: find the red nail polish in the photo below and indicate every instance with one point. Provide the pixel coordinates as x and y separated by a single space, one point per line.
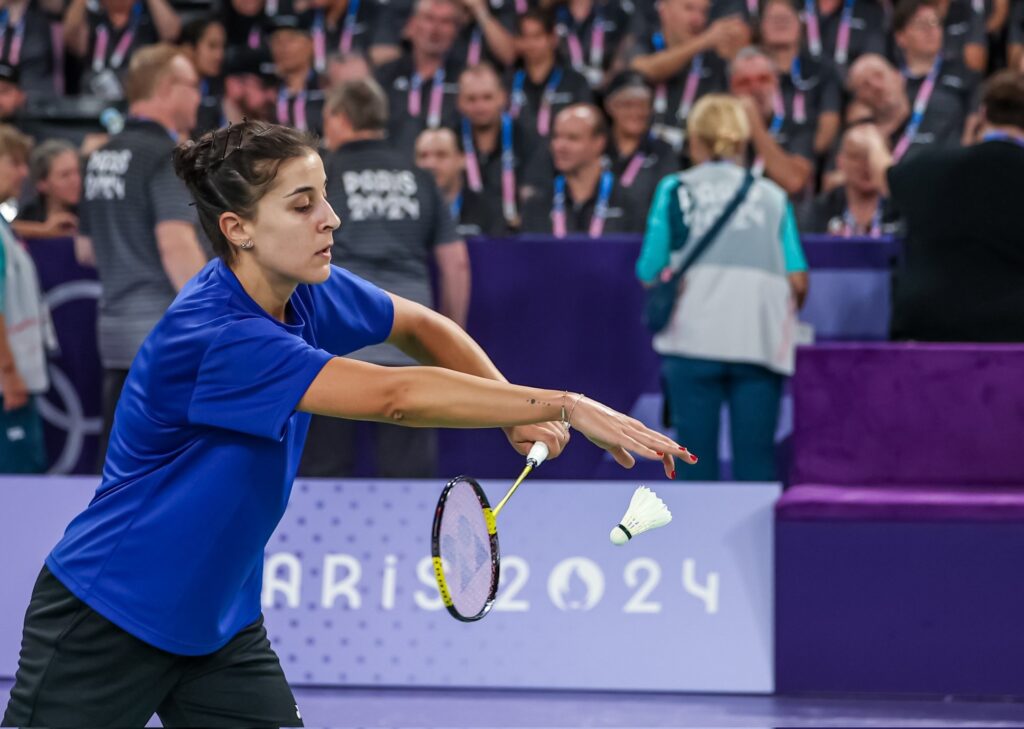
673 475
660 454
682 449
694 458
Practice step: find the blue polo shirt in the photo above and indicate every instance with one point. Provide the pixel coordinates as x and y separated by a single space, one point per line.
205 446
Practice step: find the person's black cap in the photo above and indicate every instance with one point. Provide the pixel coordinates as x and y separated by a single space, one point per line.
9 73
250 62
626 81
299 22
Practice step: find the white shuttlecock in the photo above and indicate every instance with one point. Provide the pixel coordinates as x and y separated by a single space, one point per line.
646 511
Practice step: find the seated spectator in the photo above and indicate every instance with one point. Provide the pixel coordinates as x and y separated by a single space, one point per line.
250 90
963 261
422 84
300 102
941 92
204 40
353 26
963 33
840 31
437 151
487 35
858 207
593 33
879 95
683 61
783 150
103 39
29 47
245 22
543 84
343 67
638 159
501 154
810 87
56 173
25 329
585 199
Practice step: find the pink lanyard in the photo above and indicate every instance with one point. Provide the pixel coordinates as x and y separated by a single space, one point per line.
476 46
799 98
14 51
689 90
636 163
566 27
415 105
298 110
814 45
253 41
924 95
99 56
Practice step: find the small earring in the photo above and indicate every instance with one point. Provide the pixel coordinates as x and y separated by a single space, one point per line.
247 245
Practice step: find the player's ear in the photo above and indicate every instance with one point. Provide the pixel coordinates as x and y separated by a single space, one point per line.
234 229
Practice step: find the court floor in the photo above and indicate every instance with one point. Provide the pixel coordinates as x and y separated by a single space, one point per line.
398 708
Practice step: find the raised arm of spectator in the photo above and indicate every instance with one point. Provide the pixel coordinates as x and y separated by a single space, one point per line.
1000 13
180 253
663 65
166 20
453 275
76 28
827 131
790 171
499 41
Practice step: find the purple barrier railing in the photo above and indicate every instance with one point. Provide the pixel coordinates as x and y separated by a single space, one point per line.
551 313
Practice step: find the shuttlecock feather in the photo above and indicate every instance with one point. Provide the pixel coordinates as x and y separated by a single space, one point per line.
646 511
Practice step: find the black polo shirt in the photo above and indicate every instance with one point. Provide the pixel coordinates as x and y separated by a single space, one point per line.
397 79
616 24
816 83
33 51
624 213
572 88
963 257
658 161
954 98
392 218
867 33
129 186
103 69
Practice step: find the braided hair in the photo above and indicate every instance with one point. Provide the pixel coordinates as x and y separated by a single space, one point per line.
231 169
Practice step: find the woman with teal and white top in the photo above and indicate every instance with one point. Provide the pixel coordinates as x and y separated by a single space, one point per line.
732 335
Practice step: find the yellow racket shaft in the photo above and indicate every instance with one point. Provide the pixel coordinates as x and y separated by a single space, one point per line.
522 477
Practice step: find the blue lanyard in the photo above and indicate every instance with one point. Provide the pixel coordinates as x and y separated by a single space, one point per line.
658 41
600 208
1003 137
456 207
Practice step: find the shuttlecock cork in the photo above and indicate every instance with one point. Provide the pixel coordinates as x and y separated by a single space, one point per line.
646 511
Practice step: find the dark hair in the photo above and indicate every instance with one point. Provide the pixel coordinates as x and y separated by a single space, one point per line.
194 30
231 169
545 18
1003 99
905 11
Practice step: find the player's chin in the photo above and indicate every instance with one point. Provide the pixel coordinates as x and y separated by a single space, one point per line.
317 273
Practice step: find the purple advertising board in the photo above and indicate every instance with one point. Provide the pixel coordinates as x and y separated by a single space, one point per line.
349 596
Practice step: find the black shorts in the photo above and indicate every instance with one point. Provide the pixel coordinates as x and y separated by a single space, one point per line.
79 669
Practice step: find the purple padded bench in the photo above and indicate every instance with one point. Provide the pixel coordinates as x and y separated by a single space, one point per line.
899 550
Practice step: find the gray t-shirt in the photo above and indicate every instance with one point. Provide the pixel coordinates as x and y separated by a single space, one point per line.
129 187
392 218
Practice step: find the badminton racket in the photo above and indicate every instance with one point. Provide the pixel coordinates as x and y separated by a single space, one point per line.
464 542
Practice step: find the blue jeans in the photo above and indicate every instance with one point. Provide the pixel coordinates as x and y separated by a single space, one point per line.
696 390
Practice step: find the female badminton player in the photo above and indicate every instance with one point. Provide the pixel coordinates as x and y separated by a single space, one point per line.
150 603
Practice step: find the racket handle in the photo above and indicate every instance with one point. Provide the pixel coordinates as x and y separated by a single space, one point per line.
538 454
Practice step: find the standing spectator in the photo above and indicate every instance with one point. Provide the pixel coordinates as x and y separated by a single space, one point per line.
543 84
594 33
204 39
501 154
422 84
395 223
353 26
810 87
25 329
736 354
857 207
941 91
637 158
28 45
104 38
963 261
586 198
55 168
300 102
136 220
437 152
783 150
684 61
250 91
840 31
